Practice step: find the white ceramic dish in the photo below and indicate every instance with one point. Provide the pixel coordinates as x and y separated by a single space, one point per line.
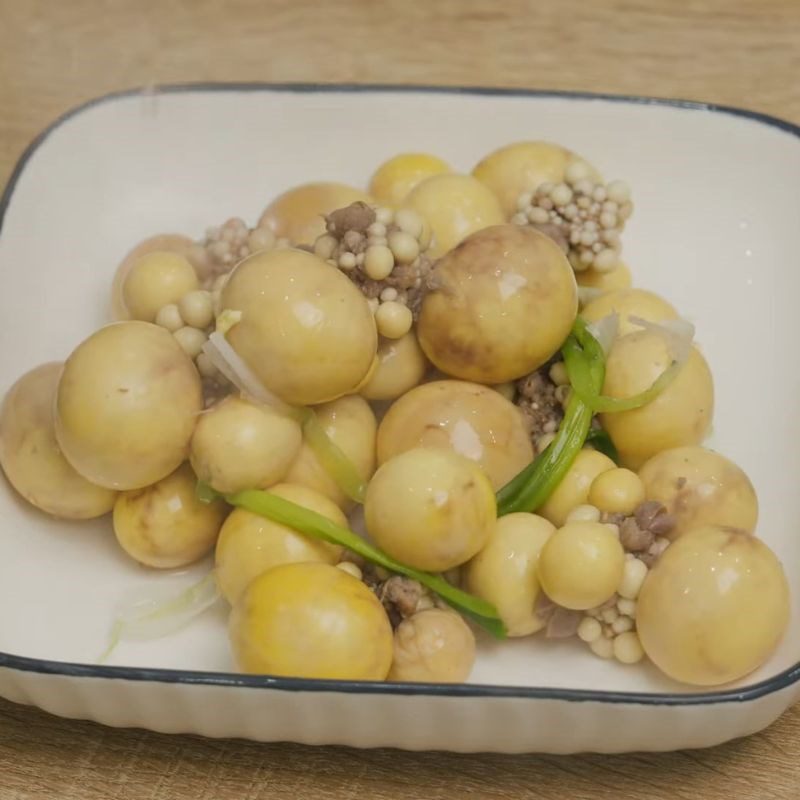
715 230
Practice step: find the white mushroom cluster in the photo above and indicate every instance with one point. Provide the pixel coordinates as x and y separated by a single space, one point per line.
191 321
383 252
192 318
586 217
226 245
610 629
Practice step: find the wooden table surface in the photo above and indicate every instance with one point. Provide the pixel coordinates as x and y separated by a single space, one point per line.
56 53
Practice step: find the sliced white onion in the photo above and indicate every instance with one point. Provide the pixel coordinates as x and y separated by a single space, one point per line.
153 613
234 368
678 335
563 623
605 330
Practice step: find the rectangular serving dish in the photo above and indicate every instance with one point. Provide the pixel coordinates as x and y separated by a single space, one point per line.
715 231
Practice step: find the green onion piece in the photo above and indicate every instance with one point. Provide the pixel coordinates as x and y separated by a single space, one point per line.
585 363
333 460
588 372
585 388
205 494
330 456
601 403
601 441
531 488
310 523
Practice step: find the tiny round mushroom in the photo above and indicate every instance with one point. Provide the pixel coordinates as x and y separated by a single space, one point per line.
191 340
634 573
196 309
627 648
584 215
617 491
433 646
393 319
169 317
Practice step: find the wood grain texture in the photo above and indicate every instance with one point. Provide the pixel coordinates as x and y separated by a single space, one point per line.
56 54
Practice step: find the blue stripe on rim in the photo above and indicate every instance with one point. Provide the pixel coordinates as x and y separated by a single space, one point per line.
22 664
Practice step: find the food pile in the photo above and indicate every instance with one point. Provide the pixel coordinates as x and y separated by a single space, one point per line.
409 417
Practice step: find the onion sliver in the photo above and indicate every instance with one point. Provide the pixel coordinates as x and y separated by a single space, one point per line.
153 613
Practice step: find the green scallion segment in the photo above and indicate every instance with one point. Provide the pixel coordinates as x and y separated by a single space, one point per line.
602 403
531 487
584 386
310 523
585 363
601 441
205 494
333 460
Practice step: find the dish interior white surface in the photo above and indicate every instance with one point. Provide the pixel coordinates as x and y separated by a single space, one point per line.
715 231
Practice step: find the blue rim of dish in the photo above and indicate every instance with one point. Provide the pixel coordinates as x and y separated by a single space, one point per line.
189 677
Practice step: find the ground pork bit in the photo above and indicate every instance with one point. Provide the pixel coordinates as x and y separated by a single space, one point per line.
633 538
402 593
644 532
408 280
401 597
538 400
355 218
652 515
382 252
412 283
